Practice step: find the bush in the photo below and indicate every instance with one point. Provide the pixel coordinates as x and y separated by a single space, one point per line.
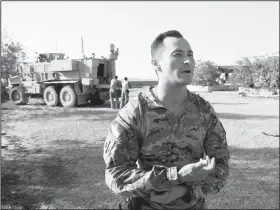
242 74
261 73
205 73
12 56
273 65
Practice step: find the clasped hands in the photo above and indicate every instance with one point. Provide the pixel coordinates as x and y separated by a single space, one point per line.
193 172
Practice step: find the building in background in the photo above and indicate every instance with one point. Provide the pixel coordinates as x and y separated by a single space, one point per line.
225 71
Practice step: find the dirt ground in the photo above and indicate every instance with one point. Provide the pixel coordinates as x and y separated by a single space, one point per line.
52 157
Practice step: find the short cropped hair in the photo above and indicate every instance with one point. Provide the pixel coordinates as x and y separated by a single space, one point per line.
158 42
125 78
116 77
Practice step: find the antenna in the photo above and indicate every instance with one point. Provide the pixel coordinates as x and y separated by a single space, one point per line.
56 46
29 48
83 54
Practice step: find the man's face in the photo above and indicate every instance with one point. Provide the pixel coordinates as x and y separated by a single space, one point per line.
176 61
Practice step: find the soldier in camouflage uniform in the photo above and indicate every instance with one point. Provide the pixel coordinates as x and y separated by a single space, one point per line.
167 148
115 93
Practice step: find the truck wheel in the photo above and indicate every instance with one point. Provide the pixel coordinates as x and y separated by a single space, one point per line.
51 96
17 96
95 99
68 97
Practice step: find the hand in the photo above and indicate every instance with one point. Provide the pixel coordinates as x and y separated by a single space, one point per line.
196 171
168 196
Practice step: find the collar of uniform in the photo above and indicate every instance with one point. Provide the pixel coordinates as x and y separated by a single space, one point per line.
151 98
153 102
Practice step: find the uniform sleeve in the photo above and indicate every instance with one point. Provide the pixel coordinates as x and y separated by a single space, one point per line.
215 145
121 151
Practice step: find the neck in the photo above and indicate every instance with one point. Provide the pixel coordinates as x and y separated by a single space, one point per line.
170 94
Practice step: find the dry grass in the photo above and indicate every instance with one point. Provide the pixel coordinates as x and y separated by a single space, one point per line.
54 155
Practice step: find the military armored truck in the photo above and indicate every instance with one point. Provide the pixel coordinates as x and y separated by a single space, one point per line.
66 82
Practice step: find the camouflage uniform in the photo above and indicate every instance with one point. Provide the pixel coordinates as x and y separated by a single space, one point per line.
147 144
115 93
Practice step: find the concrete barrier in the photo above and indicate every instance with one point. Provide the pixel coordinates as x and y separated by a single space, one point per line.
223 88
196 88
199 88
257 92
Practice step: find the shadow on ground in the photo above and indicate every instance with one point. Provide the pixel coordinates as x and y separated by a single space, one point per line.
105 105
65 178
235 116
253 182
42 104
87 112
229 103
73 177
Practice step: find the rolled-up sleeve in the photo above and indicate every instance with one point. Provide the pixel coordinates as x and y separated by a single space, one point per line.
215 145
121 152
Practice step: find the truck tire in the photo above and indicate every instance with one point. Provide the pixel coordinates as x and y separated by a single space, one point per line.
17 96
68 97
51 96
95 99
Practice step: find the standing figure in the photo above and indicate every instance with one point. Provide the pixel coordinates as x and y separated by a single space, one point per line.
125 92
167 148
115 93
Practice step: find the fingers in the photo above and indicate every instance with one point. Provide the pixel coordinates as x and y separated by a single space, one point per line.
197 171
202 163
208 159
211 164
206 163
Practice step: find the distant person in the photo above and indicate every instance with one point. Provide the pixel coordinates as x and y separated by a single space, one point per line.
125 92
43 58
167 149
115 93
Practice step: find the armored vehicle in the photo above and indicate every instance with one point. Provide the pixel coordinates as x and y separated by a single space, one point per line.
63 81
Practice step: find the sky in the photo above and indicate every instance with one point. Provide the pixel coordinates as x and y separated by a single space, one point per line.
221 32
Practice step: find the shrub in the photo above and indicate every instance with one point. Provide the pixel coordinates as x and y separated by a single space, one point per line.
242 74
261 73
273 65
205 73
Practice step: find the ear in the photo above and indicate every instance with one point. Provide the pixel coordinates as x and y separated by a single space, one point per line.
156 66
154 62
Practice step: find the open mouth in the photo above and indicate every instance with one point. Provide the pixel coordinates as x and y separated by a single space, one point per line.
186 71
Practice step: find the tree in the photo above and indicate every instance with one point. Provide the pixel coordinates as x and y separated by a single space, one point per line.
205 73
243 73
260 73
272 64
12 56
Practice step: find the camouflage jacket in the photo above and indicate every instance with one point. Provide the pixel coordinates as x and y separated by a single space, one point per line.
115 84
147 144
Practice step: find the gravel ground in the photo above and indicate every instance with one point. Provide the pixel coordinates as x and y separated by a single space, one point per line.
52 156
